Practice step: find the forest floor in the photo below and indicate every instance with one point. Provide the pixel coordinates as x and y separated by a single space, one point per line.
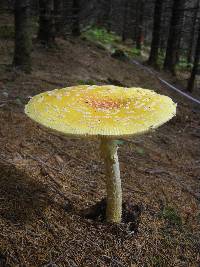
46 180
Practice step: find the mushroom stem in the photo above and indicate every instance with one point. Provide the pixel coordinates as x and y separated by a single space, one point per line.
113 182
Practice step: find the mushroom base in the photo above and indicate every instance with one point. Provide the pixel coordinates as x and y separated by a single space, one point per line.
113 182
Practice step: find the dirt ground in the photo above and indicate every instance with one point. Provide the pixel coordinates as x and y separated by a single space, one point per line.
46 181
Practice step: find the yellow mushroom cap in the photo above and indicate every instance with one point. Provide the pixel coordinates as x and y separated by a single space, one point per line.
107 110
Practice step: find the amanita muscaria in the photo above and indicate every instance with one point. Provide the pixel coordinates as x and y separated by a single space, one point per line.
107 113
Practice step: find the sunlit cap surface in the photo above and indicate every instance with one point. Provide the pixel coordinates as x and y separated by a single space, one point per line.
100 110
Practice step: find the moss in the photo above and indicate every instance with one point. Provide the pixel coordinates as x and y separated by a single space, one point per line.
86 82
171 215
140 150
119 54
109 41
183 65
101 35
134 52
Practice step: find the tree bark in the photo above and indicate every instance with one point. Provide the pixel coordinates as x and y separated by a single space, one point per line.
109 14
192 34
76 19
155 44
104 15
196 66
139 24
124 30
173 43
46 33
23 42
58 14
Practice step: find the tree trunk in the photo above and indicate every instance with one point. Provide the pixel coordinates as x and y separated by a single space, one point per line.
46 33
124 30
192 34
155 44
109 14
76 19
196 67
67 18
173 43
105 9
23 42
58 14
139 24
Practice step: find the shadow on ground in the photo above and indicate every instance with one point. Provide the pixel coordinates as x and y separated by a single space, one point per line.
22 198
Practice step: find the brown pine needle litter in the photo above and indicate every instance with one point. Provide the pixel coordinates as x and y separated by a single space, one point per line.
46 181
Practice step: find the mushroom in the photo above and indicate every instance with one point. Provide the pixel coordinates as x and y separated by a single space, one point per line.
107 113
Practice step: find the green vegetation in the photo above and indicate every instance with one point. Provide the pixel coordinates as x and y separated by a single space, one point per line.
140 150
102 36
110 41
161 58
171 215
133 52
86 82
184 65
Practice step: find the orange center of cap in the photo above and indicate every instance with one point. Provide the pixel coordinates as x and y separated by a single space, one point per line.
104 103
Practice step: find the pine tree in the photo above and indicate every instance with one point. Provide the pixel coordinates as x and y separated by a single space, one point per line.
46 33
23 42
175 32
196 66
139 24
76 19
58 14
125 17
192 33
153 58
